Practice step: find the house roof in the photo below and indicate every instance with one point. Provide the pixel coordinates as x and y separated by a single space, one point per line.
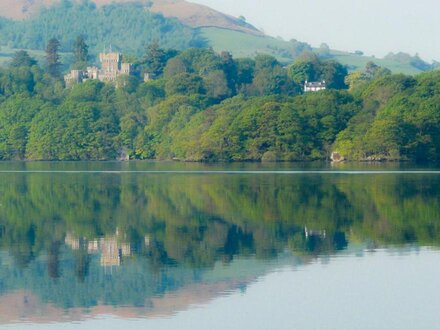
315 84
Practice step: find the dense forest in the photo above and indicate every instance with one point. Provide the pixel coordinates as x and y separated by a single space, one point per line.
128 27
204 106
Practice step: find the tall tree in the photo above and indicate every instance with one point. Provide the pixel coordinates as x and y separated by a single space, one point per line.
81 51
156 58
53 58
22 58
230 70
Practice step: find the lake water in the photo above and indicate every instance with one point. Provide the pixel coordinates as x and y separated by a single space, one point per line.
228 246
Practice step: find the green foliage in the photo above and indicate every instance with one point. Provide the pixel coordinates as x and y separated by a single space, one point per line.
405 58
358 79
155 60
210 107
129 27
294 129
16 115
248 45
81 53
53 58
218 73
180 229
400 121
22 58
81 128
184 84
165 120
309 67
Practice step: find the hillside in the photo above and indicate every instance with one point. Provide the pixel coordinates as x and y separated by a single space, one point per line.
196 15
244 45
129 29
190 14
355 62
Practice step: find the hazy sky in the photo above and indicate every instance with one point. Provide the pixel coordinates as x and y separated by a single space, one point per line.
373 26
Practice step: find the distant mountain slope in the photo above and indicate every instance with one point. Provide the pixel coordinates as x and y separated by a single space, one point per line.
190 14
196 26
129 28
196 15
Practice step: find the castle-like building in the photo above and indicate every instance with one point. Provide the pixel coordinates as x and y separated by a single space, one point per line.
111 248
111 68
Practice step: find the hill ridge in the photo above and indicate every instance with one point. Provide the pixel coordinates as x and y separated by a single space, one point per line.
190 14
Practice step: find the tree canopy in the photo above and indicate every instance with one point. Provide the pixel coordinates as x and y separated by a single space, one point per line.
204 106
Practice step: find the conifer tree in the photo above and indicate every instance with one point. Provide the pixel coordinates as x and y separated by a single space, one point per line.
81 50
22 58
53 58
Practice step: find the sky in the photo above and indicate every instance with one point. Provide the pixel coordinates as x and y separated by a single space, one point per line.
375 27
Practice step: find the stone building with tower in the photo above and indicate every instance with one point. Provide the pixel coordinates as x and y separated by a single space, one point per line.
112 67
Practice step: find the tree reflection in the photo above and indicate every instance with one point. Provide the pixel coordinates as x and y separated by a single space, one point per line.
86 227
53 260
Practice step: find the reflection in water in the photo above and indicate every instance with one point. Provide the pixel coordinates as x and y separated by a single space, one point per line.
111 249
152 244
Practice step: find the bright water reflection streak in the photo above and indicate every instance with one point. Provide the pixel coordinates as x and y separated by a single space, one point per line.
194 246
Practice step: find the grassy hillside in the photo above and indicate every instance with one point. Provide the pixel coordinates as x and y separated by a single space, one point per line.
7 53
355 62
245 45
129 27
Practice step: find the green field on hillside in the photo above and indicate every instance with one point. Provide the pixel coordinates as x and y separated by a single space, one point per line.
244 45
355 62
7 53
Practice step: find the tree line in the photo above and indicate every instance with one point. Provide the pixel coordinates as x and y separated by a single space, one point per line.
205 106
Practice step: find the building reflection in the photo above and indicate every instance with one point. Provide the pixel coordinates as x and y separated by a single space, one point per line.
112 249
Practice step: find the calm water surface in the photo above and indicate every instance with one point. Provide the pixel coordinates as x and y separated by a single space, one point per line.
239 246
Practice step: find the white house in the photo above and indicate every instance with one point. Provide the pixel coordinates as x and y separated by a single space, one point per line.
314 86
